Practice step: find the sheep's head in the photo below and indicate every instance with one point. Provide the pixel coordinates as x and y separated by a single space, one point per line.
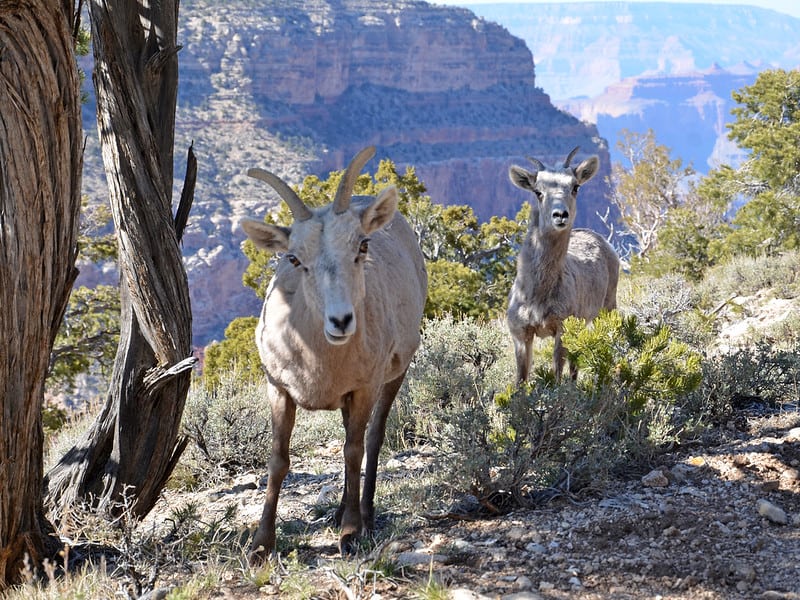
556 189
329 246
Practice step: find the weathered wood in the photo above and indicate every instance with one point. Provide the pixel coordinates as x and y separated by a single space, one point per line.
40 169
133 445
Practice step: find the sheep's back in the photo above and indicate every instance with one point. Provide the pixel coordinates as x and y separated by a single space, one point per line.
594 266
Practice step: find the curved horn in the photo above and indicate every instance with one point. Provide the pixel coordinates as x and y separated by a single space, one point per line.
570 156
537 163
299 210
342 200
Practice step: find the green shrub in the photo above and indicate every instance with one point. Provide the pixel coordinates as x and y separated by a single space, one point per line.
458 360
237 352
669 301
507 449
760 374
647 366
230 424
510 445
746 275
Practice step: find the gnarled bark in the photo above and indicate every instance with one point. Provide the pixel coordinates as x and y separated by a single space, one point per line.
133 445
40 169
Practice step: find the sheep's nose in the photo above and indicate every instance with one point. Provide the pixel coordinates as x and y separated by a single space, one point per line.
560 216
341 323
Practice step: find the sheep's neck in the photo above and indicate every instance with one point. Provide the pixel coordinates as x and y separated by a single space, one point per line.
542 259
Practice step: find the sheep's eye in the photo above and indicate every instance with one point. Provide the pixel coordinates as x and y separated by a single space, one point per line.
293 259
363 247
538 194
575 189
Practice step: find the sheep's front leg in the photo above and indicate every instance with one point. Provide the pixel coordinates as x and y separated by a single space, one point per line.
522 353
355 416
375 436
558 356
283 416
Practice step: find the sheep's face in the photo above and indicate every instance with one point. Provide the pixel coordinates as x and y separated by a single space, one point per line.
556 191
330 252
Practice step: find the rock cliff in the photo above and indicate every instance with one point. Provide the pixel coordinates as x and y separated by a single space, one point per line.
688 112
299 87
581 48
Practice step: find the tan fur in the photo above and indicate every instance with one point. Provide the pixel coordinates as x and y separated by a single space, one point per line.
560 271
338 332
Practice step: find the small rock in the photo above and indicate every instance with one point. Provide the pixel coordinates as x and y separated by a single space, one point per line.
745 572
327 495
462 545
413 559
243 487
681 471
156 594
771 512
671 531
790 476
535 548
775 595
545 586
793 435
463 594
655 478
523 583
770 486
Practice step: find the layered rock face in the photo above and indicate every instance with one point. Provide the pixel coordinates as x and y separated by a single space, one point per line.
689 112
582 48
299 87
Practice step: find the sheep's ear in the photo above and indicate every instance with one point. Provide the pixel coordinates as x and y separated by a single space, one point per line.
380 211
587 169
522 178
267 237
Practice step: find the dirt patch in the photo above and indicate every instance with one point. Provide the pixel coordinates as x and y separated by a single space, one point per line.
716 522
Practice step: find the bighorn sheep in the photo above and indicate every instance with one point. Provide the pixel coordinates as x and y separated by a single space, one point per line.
560 271
339 326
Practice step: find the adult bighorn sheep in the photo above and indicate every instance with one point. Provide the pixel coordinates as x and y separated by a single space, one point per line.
560 271
339 326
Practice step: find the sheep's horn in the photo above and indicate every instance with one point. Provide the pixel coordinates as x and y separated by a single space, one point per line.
570 156
299 210
537 163
342 200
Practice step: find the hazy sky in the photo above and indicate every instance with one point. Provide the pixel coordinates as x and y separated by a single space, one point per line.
789 7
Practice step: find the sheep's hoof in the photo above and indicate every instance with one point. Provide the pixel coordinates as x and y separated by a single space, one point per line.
256 558
337 517
260 552
348 544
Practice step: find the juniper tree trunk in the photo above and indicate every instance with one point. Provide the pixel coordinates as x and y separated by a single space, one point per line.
130 450
40 170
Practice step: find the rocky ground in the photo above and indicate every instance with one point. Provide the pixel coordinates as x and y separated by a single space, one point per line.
713 521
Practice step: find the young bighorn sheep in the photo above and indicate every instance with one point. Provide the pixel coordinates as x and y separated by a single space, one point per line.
339 326
560 271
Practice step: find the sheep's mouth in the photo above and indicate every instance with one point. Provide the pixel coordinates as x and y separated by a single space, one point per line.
335 339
